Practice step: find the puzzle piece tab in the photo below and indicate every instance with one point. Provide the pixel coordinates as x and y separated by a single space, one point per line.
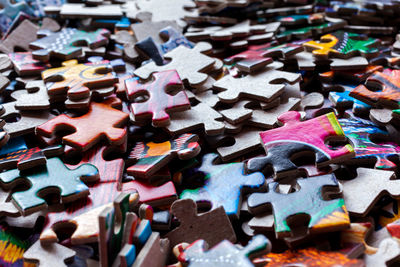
159 101
325 215
300 136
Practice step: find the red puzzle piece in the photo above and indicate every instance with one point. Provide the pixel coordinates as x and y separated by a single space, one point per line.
100 121
159 101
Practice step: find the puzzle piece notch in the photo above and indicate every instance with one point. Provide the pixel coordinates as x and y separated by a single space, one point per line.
62 44
151 156
54 177
101 121
159 101
300 136
325 215
213 226
224 184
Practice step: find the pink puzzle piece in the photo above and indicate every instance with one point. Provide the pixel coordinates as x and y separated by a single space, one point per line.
301 136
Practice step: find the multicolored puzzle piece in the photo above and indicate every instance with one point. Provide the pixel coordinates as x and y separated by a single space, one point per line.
223 185
388 93
62 44
151 157
360 132
300 136
76 80
342 44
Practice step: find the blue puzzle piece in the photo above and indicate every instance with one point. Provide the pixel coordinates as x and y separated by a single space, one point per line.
223 185
54 177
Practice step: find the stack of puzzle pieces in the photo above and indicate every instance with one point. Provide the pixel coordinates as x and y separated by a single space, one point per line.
177 133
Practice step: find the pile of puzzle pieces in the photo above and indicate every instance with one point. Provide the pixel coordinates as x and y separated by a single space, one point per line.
177 133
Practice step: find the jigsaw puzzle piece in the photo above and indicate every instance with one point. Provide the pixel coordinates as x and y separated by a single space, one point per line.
296 136
63 44
213 226
263 86
27 158
35 97
363 192
225 253
258 56
25 65
48 255
360 132
54 177
385 89
325 215
82 214
101 121
198 117
342 44
110 241
28 120
77 80
224 184
159 101
308 257
189 71
388 252
156 196
154 252
151 157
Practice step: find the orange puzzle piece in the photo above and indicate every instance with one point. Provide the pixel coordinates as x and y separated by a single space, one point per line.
100 121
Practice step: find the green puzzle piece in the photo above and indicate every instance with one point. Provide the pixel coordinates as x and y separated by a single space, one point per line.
54 177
